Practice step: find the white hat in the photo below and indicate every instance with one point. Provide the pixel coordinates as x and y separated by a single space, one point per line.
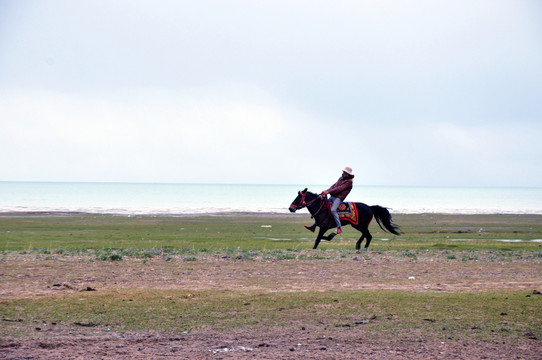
348 170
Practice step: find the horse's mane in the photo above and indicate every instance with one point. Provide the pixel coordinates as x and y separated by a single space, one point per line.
311 193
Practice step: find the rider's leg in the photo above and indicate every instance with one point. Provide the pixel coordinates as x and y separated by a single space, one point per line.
334 206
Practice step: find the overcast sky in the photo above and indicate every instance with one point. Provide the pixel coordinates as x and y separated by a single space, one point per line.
287 92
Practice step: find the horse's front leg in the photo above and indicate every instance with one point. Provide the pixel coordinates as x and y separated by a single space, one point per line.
321 233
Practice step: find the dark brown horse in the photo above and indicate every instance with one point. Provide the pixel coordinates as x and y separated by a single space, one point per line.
318 207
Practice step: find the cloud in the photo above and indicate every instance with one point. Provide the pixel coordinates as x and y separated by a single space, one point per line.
207 134
242 134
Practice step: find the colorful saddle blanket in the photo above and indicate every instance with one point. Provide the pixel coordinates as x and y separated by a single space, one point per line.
347 211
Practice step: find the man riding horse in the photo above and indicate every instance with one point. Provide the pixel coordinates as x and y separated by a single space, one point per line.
338 192
317 204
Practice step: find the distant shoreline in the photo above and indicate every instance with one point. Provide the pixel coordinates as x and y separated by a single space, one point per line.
202 214
204 200
231 214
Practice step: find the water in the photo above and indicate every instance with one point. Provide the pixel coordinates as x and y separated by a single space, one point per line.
179 199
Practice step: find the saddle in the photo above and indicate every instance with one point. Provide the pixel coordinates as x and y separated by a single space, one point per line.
346 211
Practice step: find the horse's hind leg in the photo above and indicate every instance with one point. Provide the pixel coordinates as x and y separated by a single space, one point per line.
358 244
368 238
365 234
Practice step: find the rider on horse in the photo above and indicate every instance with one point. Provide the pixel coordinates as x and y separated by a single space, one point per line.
338 192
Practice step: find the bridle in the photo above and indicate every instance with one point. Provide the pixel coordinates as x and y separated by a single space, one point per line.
303 203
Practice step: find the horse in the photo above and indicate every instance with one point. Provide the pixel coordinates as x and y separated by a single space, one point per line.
318 206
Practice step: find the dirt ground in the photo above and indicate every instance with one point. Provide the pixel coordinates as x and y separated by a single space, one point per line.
31 276
273 344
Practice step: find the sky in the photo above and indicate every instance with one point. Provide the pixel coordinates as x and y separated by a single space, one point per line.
413 93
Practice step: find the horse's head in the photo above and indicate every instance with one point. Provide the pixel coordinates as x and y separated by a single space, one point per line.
299 201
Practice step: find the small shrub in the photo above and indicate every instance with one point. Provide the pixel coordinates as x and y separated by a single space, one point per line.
285 256
409 254
115 257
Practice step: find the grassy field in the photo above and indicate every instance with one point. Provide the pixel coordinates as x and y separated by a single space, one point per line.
497 232
485 316
96 275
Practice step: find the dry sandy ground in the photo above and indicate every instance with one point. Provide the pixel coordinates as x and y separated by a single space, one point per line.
274 344
27 276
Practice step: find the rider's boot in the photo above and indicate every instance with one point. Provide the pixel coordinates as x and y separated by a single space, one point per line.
310 228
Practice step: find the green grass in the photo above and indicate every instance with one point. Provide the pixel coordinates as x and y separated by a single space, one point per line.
203 233
484 316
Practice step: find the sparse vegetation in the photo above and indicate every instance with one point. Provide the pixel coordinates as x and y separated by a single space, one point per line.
87 275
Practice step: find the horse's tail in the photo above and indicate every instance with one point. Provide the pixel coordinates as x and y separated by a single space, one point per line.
383 217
